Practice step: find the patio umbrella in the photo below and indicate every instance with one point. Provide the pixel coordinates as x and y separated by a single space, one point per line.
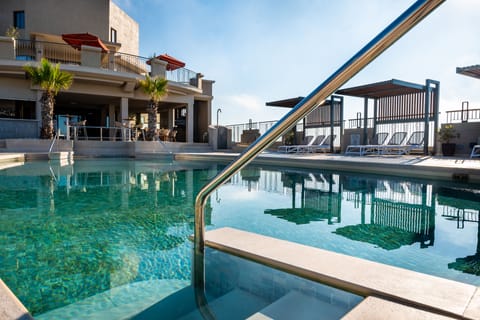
76 40
173 63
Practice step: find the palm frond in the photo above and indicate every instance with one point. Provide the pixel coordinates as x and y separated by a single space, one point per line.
154 87
49 77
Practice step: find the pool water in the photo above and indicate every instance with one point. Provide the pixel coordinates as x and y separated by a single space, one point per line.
70 233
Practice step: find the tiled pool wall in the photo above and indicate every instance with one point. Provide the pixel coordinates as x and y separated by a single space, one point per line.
224 272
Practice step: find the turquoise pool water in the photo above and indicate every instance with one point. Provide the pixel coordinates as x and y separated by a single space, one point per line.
71 233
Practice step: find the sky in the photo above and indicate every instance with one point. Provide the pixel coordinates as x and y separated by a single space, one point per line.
265 50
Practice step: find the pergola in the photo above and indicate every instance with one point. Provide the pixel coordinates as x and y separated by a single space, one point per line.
397 101
471 71
329 113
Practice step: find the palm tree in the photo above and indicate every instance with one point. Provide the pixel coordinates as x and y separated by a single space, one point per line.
156 88
51 79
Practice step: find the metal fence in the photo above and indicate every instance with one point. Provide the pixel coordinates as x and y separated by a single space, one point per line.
464 115
237 129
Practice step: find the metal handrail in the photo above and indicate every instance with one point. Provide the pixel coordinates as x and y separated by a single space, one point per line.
53 142
367 54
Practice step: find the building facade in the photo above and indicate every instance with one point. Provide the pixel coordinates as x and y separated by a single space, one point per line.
105 89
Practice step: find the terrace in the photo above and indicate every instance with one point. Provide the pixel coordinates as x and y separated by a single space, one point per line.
34 50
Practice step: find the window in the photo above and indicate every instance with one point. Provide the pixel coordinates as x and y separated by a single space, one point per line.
113 35
19 19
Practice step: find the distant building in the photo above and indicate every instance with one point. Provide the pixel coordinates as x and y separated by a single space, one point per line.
106 71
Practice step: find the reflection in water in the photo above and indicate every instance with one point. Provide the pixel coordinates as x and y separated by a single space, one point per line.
67 233
466 210
401 213
320 199
393 212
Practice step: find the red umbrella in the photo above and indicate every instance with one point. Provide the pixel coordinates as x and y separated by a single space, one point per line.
76 40
173 63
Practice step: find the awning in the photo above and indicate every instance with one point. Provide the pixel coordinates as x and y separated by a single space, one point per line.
472 71
291 102
77 40
173 63
388 88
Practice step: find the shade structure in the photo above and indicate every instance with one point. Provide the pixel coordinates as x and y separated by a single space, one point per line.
172 63
471 71
77 40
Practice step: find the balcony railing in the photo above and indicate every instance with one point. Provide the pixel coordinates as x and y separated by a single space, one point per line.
465 115
237 129
31 50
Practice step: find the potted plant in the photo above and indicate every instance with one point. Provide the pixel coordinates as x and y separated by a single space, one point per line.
289 138
445 135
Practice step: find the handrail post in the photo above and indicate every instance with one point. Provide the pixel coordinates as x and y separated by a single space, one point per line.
367 54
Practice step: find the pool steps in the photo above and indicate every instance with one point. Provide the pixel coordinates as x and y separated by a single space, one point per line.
10 307
366 278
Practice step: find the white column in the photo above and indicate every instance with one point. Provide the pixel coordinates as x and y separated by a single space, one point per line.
190 119
171 118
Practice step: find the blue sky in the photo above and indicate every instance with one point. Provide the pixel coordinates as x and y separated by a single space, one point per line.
264 50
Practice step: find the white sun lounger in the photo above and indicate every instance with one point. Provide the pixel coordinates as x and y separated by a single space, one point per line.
475 151
414 142
309 140
365 149
323 146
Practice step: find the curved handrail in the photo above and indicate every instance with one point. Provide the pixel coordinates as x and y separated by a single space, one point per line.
407 20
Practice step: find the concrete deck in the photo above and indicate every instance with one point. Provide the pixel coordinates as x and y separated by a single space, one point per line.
429 167
419 294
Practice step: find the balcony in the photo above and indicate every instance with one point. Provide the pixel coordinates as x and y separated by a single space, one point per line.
34 50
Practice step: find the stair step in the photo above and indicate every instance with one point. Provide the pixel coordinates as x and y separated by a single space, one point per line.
237 304
298 306
123 302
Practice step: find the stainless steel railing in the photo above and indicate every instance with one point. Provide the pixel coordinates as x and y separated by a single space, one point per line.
374 48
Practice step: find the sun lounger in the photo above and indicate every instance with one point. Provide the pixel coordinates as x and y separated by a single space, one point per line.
362 150
323 146
414 142
475 151
308 140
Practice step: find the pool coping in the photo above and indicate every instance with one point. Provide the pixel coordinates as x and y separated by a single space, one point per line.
366 278
10 306
428 167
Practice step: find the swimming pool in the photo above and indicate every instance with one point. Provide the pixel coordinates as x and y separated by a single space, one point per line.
71 233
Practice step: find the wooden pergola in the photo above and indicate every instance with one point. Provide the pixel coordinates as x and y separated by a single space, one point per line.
329 113
397 101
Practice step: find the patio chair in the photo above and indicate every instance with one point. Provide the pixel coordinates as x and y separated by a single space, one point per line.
323 146
308 140
172 135
363 149
80 125
475 151
414 142
140 130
